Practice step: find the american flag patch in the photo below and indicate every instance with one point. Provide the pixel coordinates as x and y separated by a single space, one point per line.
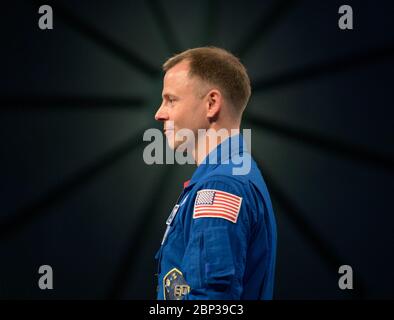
217 204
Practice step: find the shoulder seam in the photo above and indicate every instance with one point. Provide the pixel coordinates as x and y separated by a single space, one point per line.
219 177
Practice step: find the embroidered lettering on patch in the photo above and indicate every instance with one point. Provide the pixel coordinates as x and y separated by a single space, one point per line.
217 204
174 285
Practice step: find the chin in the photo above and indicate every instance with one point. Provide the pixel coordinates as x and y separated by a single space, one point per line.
171 140
171 144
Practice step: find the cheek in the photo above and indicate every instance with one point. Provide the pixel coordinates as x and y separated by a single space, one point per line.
197 112
201 116
189 114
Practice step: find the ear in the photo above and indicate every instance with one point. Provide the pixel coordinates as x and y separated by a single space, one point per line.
214 104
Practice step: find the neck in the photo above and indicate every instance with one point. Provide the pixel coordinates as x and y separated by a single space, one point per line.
209 139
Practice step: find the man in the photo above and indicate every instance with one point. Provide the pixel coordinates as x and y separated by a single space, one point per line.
220 241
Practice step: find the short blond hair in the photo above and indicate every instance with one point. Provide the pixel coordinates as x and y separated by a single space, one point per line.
217 67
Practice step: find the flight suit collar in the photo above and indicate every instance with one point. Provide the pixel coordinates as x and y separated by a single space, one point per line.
228 149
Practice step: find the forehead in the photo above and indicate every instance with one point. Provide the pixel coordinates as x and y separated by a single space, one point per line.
177 78
181 68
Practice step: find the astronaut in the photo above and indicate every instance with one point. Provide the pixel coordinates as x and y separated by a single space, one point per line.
220 237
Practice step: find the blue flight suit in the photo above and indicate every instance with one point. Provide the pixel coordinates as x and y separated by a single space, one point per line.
214 257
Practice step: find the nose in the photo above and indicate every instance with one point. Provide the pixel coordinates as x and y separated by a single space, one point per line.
161 114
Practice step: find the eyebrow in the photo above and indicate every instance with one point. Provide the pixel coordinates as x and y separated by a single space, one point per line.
167 95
